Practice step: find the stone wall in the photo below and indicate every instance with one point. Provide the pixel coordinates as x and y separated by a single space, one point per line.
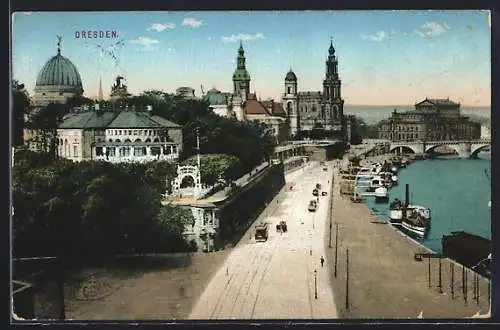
325 153
239 211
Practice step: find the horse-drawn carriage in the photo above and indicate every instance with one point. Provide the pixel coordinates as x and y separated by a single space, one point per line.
281 226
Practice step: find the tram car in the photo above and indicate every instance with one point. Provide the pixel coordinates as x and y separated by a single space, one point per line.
261 232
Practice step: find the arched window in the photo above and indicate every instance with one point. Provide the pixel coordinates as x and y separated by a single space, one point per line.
156 140
289 90
148 140
137 140
127 141
118 140
289 108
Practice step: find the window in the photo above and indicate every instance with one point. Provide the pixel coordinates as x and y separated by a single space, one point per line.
119 132
155 151
98 151
137 151
289 90
75 151
135 132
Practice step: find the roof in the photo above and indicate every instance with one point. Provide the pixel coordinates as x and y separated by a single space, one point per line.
115 119
216 97
89 119
275 108
438 102
59 71
290 76
254 107
139 119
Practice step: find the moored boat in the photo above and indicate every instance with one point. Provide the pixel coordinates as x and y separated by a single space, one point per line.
381 195
394 179
415 223
397 207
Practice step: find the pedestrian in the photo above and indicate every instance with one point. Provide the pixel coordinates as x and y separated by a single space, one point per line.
322 260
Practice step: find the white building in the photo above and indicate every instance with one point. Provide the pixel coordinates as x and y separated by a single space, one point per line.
118 135
486 131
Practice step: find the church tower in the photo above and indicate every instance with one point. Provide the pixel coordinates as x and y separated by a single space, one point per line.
241 82
333 105
290 102
241 77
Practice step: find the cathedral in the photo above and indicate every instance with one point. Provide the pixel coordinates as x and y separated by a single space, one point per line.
300 114
315 110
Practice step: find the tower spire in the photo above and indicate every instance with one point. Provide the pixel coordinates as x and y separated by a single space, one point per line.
100 95
59 40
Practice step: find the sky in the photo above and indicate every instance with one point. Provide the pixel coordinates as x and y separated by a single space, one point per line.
385 57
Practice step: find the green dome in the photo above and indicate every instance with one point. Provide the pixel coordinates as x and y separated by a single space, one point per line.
215 97
59 72
290 76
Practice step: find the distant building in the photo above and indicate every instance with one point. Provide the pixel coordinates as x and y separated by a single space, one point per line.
432 119
57 81
314 109
485 131
269 113
243 105
119 90
219 102
186 92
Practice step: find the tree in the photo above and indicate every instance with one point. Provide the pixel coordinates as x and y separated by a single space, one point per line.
45 122
21 106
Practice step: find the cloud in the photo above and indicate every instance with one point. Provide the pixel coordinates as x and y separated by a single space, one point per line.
379 36
432 29
161 27
144 41
209 38
192 22
243 36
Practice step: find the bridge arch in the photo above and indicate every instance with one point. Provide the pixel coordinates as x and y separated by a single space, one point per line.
476 149
405 148
431 148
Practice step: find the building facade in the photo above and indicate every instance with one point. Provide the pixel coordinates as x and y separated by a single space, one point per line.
118 135
185 92
432 120
312 110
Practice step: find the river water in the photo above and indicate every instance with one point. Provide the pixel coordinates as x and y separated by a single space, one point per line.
456 190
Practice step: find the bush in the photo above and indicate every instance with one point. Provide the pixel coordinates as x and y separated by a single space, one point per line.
93 208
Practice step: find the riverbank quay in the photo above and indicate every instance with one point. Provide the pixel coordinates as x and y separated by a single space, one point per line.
378 276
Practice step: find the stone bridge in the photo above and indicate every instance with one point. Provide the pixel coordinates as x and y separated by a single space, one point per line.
464 148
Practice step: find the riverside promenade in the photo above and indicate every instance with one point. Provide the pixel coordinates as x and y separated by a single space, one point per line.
385 280
281 278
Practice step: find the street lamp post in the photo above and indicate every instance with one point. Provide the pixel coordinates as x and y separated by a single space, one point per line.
330 240
336 246
315 286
